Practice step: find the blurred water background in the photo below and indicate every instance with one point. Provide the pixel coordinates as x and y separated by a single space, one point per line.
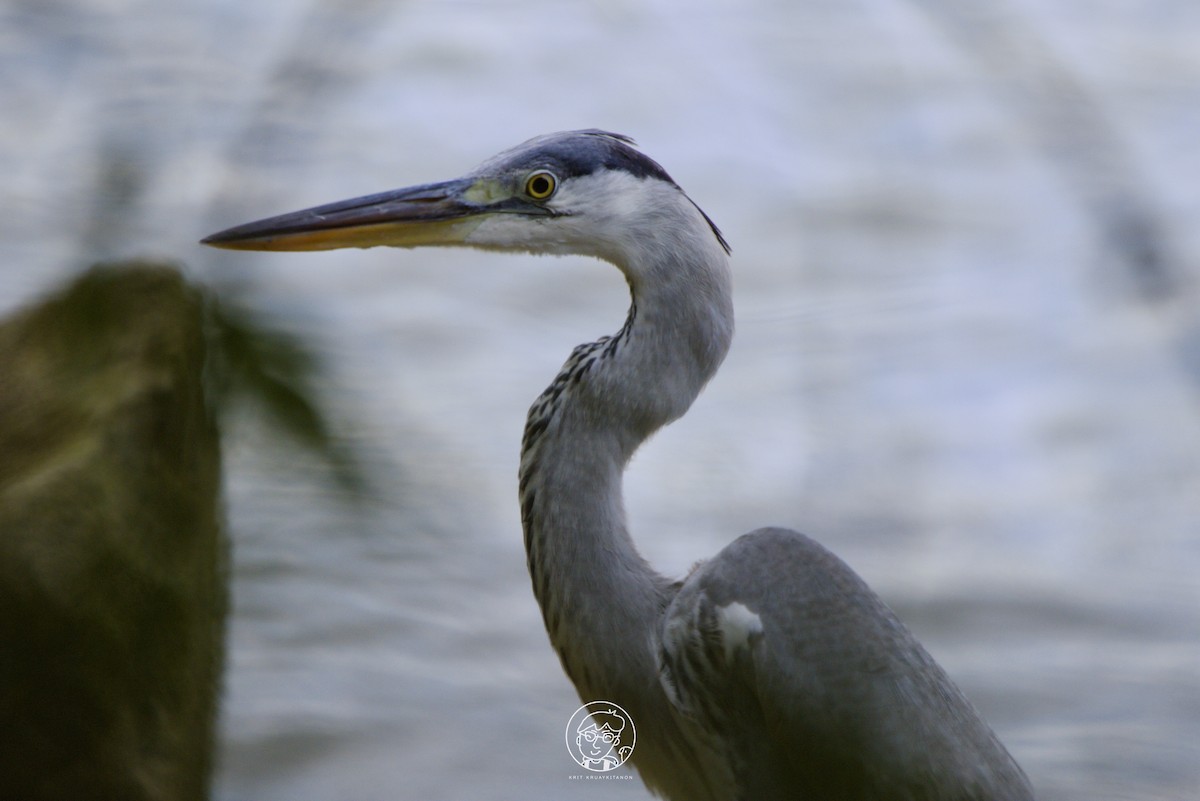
968 357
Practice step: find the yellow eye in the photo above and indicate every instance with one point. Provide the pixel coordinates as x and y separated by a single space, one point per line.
541 185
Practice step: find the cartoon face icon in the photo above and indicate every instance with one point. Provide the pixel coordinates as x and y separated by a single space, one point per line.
600 733
600 736
595 743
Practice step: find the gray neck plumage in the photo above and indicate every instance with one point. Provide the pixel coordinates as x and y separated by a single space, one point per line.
597 594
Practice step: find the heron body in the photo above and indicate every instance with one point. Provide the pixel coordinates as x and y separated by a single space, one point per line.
771 671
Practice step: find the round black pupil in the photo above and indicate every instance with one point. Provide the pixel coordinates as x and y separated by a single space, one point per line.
540 185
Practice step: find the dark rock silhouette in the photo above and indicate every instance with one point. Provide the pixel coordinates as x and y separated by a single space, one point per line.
112 558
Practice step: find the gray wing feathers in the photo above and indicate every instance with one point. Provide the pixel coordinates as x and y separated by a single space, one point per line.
814 689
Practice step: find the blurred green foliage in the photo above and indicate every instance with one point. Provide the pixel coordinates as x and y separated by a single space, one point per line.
278 372
113 560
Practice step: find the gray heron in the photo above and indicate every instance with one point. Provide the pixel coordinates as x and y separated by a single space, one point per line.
772 671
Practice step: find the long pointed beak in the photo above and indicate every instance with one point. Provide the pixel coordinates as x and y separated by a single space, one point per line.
430 214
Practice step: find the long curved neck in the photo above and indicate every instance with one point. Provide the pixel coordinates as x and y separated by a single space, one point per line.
599 598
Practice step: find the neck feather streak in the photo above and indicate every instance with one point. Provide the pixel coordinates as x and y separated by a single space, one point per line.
600 600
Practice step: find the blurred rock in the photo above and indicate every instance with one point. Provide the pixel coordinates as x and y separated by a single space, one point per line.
112 558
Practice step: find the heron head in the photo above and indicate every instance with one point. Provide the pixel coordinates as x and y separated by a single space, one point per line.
579 192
